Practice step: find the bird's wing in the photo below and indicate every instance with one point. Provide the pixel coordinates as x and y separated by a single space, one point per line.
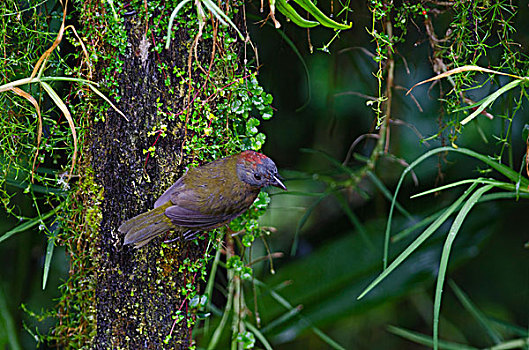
166 196
186 217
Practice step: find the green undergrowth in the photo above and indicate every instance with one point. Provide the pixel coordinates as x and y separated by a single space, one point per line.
224 106
479 80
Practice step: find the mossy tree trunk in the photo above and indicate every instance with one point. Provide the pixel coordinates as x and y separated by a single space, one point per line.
140 293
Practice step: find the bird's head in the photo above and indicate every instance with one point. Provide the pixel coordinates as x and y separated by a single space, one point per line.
257 170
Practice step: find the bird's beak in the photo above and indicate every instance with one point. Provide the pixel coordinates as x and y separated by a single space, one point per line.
277 183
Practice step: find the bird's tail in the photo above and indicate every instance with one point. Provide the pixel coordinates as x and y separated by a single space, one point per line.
142 228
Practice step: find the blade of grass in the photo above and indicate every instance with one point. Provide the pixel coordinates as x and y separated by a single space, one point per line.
259 335
494 335
308 6
222 17
58 101
100 94
9 323
506 171
426 339
495 183
460 70
427 220
47 261
289 12
508 327
92 85
171 21
487 197
418 241
226 313
211 282
35 188
282 301
512 344
443 265
287 316
487 101
29 224
35 104
41 63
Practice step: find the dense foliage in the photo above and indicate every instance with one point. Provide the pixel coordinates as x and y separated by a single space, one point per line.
346 258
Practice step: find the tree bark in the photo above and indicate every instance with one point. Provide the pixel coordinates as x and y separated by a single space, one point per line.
140 291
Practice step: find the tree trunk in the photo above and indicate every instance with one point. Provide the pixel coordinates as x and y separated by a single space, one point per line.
141 292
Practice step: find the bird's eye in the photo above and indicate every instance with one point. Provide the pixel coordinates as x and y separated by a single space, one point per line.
257 176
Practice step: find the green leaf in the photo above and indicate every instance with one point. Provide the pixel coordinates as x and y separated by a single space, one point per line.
426 339
221 16
487 101
259 335
418 241
512 175
171 20
494 335
295 17
443 265
251 126
320 17
282 301
247 339
47 261
8 323
525 133
28 224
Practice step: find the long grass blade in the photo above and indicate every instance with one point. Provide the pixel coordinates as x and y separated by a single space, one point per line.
494 335
309 6
427 340
460 70
9 323
209 285
259 335
282 301
47 260
485 198
171 21
506 171
29 224
41 63
443 265
418 241
215 338
487 101
35 104
521 343
100 94
427 220
62 106
36 188
287 316
483 181
213 8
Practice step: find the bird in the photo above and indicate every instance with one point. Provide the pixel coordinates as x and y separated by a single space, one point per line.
204 198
